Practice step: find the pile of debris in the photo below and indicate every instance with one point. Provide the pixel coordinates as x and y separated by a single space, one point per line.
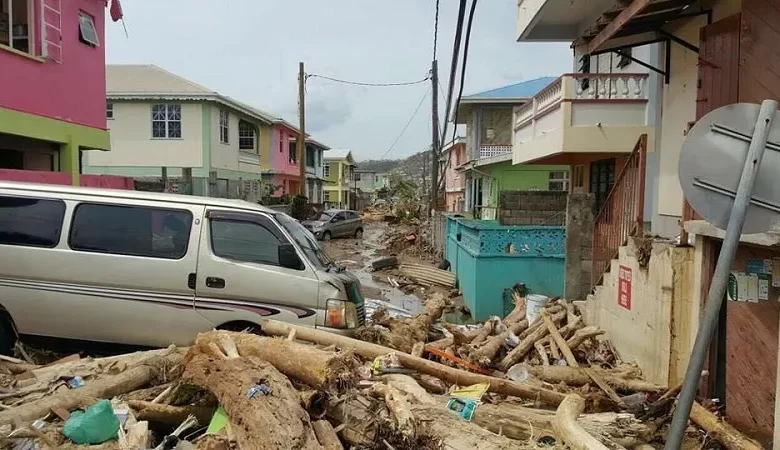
535 379
538 358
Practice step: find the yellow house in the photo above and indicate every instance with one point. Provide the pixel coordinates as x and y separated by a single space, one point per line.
339 186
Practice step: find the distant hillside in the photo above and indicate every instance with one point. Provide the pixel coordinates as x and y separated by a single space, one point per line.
411 167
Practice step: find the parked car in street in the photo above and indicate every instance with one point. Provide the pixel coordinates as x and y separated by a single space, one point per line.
152 269
336 223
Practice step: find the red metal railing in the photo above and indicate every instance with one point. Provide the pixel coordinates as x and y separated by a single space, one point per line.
623 212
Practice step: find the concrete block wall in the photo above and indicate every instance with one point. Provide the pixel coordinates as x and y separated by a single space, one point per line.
654 330
532 208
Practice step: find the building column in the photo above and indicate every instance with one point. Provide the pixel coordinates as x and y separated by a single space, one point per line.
69 160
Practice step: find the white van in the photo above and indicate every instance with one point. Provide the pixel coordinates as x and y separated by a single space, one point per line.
154 269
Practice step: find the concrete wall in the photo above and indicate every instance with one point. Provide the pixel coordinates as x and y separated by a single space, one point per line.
579 245
532 208
73 90
654 329
132 144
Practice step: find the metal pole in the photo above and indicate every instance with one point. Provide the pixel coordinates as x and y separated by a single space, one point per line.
435 144
301 141
720 277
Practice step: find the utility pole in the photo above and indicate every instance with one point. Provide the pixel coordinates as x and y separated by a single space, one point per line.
435 144
300 149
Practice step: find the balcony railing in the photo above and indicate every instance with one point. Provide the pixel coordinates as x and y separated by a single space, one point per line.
623 212
248 157
489 151
584 87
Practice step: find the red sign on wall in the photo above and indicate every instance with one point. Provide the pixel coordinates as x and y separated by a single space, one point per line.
624 287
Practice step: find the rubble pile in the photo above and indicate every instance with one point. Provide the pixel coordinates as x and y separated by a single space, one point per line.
537 378
408 239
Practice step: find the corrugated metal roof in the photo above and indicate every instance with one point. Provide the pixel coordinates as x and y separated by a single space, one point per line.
526 89
338 154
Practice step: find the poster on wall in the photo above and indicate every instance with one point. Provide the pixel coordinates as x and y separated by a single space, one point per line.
624 287
761 273
743 287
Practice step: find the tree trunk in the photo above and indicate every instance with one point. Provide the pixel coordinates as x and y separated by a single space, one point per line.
266 421
582 335
326 435
403 335
721 430
449 374
317 368
170 415
576 376
105 387
569 430
484 355
559 341
521 423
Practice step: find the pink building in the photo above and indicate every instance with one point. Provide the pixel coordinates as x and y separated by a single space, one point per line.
284 169
53 90
453 156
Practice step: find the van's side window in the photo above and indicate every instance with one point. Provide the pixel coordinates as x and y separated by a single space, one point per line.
31 222
244 241
131 230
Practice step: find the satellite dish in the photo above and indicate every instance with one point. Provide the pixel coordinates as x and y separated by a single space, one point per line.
711 162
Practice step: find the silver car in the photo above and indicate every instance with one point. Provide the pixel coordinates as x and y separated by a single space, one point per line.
336 223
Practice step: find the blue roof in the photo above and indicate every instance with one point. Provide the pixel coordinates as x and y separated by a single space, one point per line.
526 89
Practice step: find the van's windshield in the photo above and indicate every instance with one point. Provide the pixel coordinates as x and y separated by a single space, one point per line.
305 240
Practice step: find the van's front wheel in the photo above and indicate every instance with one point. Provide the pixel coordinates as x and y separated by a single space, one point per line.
7 337
326 236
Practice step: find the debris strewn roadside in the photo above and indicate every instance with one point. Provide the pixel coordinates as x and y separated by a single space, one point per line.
537 378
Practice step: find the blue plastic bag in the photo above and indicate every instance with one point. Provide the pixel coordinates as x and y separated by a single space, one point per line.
96 425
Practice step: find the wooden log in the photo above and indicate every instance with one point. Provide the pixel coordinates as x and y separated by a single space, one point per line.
582 335
272 421
399 408
721 430
556 354
170 415
569 430
358 416
449 374
402 335
317 368
559 341
212 442
326 435
542 353
536 331
105 387
384 263
522 423
484 355
576 376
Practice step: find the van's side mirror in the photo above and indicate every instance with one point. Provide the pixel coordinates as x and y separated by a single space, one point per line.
289 258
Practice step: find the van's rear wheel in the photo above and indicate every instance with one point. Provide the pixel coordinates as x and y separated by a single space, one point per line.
359 233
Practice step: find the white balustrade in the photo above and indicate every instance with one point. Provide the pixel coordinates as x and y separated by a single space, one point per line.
611 86
489 151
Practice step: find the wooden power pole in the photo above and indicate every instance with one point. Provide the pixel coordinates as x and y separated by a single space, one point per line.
300 149
435 144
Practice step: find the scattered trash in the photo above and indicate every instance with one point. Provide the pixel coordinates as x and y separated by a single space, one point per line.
519 373
76 382
464 408
96 425
258 389
473 392
535 303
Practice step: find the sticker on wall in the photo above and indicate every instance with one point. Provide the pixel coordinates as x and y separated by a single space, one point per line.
738 287
752 288
776 273
758 266
624 287
763 286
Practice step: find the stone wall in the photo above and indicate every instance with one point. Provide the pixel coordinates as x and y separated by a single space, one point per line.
532 208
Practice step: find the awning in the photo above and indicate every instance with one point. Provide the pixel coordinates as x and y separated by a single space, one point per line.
637 22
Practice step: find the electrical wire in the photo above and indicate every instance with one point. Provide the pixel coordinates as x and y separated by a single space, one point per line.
453 68
436 31
358 83
419 105
463 67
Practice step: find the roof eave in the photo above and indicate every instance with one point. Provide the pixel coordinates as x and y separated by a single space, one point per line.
188 97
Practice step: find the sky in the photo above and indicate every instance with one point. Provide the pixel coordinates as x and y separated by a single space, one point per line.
250 49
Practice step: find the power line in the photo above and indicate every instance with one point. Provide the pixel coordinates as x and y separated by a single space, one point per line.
407 125
359 83
463 67
436 31
453 66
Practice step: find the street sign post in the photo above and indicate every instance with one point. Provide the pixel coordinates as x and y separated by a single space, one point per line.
731 181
